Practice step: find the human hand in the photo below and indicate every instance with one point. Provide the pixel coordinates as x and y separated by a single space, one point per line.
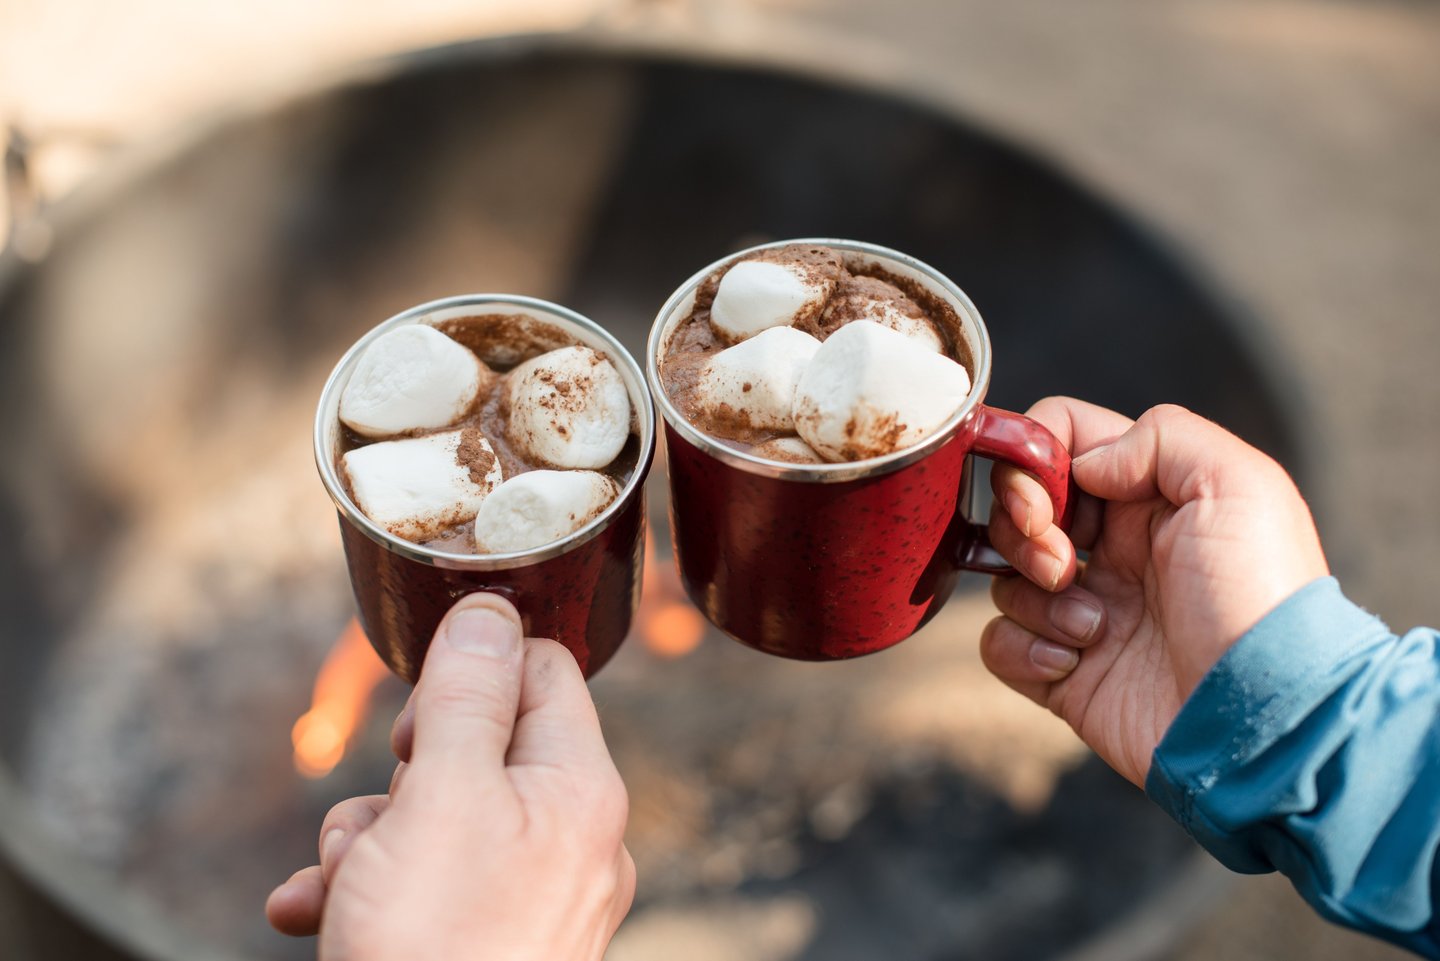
1193 537
501 836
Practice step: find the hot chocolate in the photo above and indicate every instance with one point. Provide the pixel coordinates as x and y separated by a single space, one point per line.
799 354
438 421
820 443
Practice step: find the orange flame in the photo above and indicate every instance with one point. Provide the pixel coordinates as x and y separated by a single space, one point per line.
339 705
669 625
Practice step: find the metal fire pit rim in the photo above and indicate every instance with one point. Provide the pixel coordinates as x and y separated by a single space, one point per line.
86 894
1148 931
96 902
847 63
842 61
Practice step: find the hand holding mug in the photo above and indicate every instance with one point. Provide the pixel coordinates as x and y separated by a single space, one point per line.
848 541
1193 536
501 836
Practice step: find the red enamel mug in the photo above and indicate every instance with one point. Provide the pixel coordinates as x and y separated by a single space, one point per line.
828 561
582 590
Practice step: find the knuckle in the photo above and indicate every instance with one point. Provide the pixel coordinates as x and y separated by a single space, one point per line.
467 697
991 641
547 648
1005 537
1169 414
625 884
608 802
1014 596
1003 476
1053 404
1270 472
608 883
1170 421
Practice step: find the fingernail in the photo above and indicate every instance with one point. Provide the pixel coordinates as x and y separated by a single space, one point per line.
1088 455
1074 617
1018 507
482 631
1054 657
1046 568
328 846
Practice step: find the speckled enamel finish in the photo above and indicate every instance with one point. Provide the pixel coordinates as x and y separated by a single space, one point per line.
581 591
584 598
820 571
829 561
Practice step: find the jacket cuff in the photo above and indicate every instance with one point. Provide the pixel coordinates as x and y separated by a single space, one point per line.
1263 687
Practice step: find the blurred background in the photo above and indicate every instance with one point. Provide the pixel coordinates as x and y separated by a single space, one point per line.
1232 204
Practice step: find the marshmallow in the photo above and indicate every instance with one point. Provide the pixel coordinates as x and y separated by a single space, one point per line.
540 506
753 383
869 298
569 408
755 295
411 377
417 487
789 450
869 391
918 329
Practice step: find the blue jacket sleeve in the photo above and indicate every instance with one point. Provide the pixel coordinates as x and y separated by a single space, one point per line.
1313 748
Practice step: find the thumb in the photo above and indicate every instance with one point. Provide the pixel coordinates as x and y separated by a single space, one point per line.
1169 452
469 690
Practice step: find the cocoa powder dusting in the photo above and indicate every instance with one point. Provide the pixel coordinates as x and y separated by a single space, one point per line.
473 455
502 341
889 430
853 288
821 266
737 423
933 306
567 393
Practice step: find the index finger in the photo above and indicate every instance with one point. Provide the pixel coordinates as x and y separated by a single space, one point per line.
557 724
1078 425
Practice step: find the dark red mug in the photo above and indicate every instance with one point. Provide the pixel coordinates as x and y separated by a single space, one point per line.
827 561
581 591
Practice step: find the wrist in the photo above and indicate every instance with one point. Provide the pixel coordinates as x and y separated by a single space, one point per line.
1294 655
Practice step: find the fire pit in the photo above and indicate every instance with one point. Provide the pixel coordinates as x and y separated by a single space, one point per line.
168 738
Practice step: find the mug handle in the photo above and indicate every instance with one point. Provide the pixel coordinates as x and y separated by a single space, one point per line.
1015 439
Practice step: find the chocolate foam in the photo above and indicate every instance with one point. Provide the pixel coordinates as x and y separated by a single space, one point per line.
858 297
